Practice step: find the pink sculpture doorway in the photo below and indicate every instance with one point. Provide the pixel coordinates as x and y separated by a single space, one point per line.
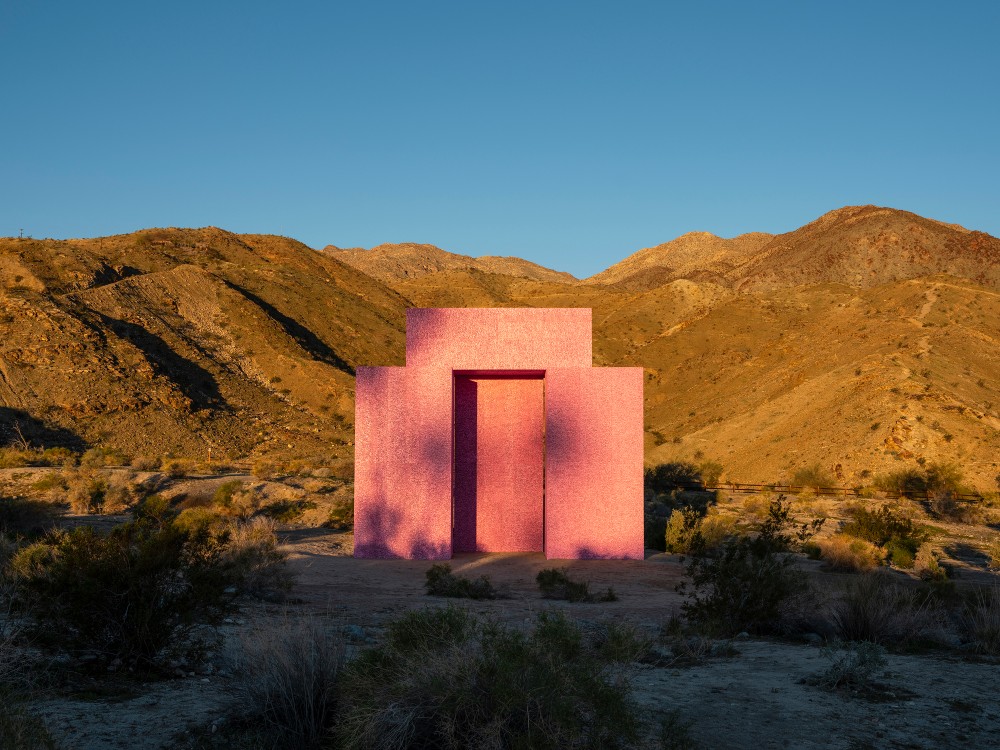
498 436
499 473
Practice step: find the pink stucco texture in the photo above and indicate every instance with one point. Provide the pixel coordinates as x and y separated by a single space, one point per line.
498 436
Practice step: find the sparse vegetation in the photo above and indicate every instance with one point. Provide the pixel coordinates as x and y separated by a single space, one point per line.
814 477
287 677
129 597
446 679
853 666
555 583
750 580
898 536
878 609
441 581
844 553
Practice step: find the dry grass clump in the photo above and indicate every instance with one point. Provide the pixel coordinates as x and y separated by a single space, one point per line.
555 583
878 609
15 457
287 676
177 468
252 557
89 491
844 553
21 515
982 620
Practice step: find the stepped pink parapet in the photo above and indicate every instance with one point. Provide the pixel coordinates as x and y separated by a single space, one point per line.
498 436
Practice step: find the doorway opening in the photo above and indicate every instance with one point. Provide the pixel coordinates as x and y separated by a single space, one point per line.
498 496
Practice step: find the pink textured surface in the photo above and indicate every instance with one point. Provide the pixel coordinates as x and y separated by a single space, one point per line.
403 462
593 463
520 338
547 450
498 464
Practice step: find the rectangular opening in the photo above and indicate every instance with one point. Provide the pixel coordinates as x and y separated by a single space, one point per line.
498 496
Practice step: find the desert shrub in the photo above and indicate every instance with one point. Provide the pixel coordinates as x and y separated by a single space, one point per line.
878 609
981 620
19 730
85 491
943 477
177 468
750 580
687 531
675 732
896 534
287 676
341 514
710 472
927 565
14 457
676 475
475 684
53 481
844 553
555 583
993 554
145 463
442 582
815 477
223 495
100 456
906 482
286 511
622 642
266 468
128 596
853 665
682 526
21 515
250 557
122 493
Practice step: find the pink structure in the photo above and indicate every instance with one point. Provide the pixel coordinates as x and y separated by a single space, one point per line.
498 436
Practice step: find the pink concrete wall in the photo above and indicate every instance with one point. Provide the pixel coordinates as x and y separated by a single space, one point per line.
403 462
521 338
498 464
593 463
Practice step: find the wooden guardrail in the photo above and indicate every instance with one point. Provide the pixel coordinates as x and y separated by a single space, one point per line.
792 489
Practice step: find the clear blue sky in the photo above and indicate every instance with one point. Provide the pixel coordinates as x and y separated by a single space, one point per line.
568 133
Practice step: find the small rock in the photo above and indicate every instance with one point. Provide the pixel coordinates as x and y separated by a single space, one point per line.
813 639
229 590
742 636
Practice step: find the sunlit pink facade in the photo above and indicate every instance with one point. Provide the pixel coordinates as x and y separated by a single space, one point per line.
498 436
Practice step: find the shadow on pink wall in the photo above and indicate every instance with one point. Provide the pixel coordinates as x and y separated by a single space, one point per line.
449 454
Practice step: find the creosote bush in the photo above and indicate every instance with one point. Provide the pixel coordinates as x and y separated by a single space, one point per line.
750 580
441 581
135 595
447 679
844 553
898 536
555 583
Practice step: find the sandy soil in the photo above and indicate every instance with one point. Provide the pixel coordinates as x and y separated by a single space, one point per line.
752 699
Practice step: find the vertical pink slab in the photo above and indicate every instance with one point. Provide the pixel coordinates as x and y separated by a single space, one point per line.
519 338
593 463
403 462
498 464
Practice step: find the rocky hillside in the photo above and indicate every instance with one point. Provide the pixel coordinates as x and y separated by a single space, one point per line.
866 341
391 263
180 340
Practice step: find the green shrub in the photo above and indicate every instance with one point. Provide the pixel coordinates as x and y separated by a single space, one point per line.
286 511
555 583
815 477
100 456
21 515
906 482
751 578
442 582
341 514
223 496
133 595
475 684
688 531
671 476
896 534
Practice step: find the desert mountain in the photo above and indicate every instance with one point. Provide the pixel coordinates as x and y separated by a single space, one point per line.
767 355
394 262
180 340
699 255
